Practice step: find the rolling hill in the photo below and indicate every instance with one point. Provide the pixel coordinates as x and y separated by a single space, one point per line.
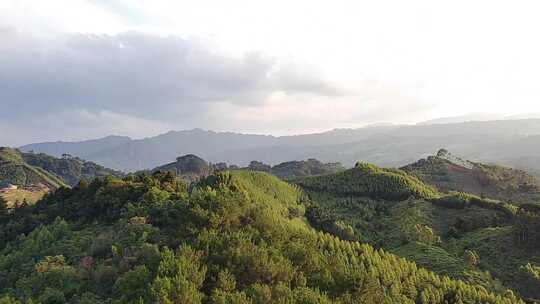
450 173
311 167
188 167
237 237
459 235
192 168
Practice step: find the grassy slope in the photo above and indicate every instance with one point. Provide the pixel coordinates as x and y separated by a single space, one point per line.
20 195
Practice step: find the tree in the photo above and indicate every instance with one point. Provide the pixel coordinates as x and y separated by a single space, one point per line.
4 208
179 278
471 258
133 285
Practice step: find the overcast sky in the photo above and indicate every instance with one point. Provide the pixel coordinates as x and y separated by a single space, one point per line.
75 69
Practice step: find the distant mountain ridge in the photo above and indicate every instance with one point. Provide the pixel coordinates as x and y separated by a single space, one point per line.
79 148
479 117
508 142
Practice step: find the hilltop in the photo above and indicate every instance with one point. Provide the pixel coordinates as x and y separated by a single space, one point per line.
295 169
233 237
451 173
188 167
370 181
192 168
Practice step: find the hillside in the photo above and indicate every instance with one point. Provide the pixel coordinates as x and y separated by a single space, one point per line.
232 238
34 175
15 170
49 170
458 235
70 169
509 142
450 173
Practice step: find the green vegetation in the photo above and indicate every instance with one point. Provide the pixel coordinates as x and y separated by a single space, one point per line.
231 238
296 169
70 169
449 173
479 240
189 167
460 200
14 170
371 181
288 170
29 169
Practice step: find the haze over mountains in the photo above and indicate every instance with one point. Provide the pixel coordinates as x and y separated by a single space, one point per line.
479 117
508 142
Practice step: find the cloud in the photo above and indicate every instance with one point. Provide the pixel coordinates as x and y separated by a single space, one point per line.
138 74
77 86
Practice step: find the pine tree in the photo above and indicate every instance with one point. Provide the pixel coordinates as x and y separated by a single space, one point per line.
4 208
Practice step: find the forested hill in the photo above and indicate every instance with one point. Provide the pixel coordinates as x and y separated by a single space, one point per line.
296 169
71 169
188 167
26 169
237 237
451 173
192 168
479 240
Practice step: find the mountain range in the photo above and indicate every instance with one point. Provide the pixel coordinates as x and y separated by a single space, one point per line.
508 142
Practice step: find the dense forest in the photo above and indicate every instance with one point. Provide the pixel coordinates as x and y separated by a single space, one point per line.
239 237
464 236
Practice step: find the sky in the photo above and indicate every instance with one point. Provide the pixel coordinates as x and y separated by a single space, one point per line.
75 69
